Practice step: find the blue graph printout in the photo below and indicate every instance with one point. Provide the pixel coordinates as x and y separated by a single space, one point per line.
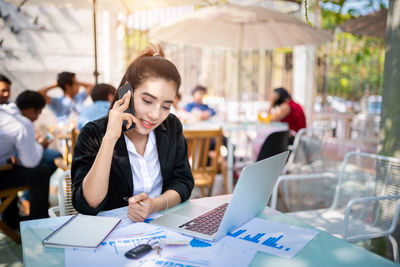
274 238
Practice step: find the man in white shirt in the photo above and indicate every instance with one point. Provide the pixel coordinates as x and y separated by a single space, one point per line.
17 141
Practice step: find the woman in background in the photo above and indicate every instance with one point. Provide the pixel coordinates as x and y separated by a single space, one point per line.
286 110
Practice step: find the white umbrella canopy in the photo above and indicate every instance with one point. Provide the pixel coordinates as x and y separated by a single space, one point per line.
125 6
111 5
239 27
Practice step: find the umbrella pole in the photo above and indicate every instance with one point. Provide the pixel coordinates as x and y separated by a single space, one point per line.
95 73
239 76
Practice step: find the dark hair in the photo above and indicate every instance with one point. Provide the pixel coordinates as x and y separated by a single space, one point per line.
283 95
65 78
150 64
30 99
101 91
199 88
4 79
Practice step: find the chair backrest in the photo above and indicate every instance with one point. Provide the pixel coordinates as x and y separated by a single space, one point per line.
69 141
203 151
74 137
307 155
294 150
369 175
275 143
65 194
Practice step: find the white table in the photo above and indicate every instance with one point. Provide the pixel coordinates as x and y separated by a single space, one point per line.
323 250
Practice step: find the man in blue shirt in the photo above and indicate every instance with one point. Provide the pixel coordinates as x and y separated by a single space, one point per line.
102 95
198 106
72 100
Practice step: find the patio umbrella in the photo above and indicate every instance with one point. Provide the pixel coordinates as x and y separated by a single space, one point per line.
373 24
126 6
239 27
110 5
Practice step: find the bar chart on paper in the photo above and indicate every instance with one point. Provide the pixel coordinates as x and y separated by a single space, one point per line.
270 241
274 238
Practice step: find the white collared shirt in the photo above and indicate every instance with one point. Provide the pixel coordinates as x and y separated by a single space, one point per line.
146 170
17 136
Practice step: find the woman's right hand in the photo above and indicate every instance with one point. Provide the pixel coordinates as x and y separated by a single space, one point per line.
116 116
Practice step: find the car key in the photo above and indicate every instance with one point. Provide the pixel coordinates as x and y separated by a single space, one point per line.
138 252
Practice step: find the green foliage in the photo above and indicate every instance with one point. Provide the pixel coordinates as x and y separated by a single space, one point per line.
355 65
355 62
306 13
331 19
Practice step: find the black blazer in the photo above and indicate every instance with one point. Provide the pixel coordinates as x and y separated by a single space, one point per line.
172 154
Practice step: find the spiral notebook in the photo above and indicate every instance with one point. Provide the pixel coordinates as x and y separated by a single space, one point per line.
83 231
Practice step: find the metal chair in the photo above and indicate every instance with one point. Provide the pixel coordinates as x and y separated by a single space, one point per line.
366 200
202 157
64 207
309 154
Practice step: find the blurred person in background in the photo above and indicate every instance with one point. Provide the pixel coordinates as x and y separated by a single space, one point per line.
72 100
5 88
26 109
175 106
12 108
178 110
21 155
102 95
5 94
282 108
200 110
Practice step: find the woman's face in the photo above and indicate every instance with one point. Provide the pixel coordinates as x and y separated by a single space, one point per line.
274 97
153 100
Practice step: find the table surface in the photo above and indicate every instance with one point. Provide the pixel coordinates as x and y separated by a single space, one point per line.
323 250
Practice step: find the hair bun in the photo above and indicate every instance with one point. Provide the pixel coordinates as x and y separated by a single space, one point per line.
152 50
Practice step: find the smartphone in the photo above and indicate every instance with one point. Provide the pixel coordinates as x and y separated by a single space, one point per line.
131 108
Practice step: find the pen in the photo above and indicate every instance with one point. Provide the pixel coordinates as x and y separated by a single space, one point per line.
141 203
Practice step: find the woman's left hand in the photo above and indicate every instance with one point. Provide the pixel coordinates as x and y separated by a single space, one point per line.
140 207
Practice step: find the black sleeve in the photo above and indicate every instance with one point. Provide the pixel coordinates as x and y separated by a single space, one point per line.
182 179
86 149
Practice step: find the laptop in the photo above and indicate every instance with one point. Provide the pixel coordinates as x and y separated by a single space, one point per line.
210 220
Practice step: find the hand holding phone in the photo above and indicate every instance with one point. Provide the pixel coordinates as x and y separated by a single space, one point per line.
131 108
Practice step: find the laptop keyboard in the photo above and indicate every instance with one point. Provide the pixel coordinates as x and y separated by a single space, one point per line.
207 223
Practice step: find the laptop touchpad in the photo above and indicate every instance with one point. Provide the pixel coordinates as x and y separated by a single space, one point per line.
192 211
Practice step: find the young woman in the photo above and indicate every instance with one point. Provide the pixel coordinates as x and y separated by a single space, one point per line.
286 110
148 163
